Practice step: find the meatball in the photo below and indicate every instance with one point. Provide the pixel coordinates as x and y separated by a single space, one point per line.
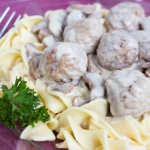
128 93
64 62
125 16
117 50
86 32
143 39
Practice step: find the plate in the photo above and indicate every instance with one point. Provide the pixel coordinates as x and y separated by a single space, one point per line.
9 139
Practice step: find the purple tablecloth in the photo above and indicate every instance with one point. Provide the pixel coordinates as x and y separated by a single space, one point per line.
32 7
8 139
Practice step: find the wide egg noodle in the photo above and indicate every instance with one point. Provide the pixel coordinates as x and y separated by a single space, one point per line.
100 106
88 139
133 130
106 140
26 36
18 71
80 114
53 103
21 34
24 28
103 124
4 74
40 132
8 58
66 100
28 22
23 37
146 122
70 142
113 135
4 78
5 41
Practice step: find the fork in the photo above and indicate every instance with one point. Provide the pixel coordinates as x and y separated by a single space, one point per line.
5 26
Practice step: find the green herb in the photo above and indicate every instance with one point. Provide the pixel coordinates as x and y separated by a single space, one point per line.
20 103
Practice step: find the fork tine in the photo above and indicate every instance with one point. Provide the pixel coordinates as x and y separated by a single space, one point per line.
7 23
18 18
4 14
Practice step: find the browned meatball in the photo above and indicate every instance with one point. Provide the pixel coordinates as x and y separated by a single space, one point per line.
128 93
86 32
125 16
64 62
143 39
117 50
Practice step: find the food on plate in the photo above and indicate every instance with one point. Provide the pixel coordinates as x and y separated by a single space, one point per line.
19 103
125 16
142 37
74 15
90 67
63 62
117 50
96 84
86 32
145 23
126 91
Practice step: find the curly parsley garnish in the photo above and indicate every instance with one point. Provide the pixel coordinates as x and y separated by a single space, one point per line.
20 103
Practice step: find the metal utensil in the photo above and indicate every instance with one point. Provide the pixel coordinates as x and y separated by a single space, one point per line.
8 21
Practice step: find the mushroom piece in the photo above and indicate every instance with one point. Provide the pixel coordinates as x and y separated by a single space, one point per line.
33 66
146 65
49 41
64 87
63 62
86 9
125 16
44 32
56 22
143 39
128 93
74 16
117 50
39 26
96 84
97 15
86 32
147 73
93 66
51 28
32 51
33 56
78 101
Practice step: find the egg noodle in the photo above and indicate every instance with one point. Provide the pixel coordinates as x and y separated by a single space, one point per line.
80 128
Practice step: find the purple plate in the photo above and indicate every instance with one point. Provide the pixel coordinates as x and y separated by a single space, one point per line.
9 139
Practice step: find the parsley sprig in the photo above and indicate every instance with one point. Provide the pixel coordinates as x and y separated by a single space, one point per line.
20 103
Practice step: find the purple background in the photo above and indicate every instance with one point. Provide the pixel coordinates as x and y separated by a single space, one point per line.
32 7
9 140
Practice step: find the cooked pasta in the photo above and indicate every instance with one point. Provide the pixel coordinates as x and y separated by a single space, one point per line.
87 127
